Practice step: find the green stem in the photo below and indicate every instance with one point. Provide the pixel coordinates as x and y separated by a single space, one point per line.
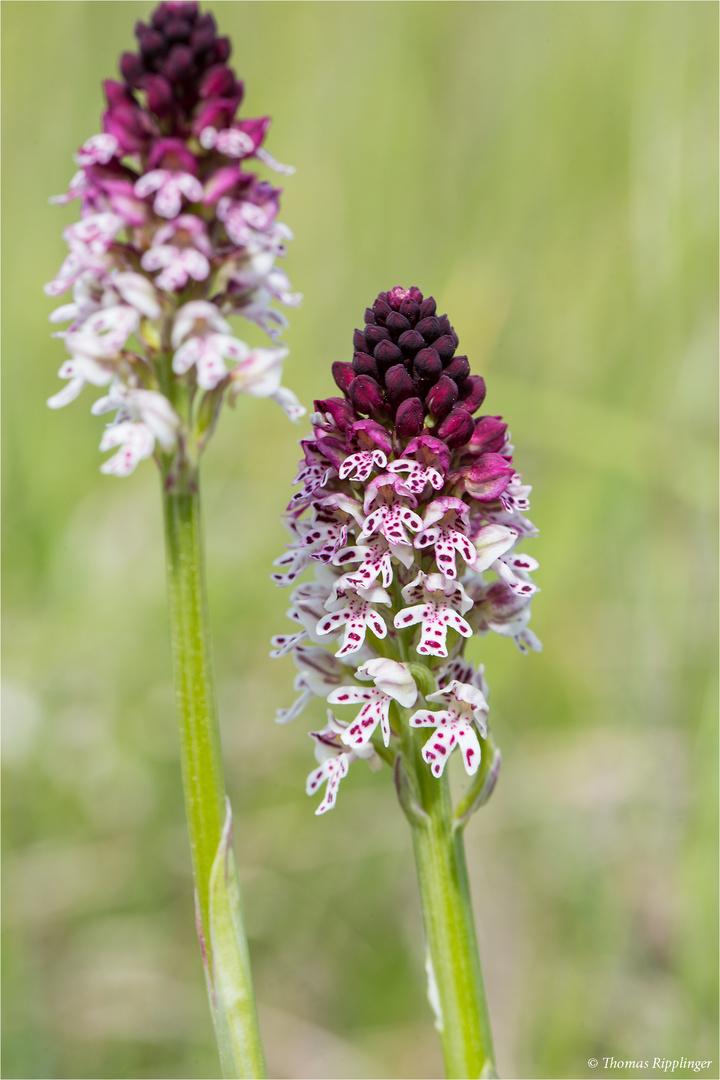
203 773
455 983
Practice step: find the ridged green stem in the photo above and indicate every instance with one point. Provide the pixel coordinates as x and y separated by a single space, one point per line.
454 973
200 754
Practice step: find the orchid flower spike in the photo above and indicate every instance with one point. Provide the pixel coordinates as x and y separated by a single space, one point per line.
411 512
176 234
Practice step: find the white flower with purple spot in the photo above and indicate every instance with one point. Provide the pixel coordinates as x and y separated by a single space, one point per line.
171 187
466 709
355 612
393 682
441 603
445 528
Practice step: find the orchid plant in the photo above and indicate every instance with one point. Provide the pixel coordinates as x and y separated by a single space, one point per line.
406 503
177 234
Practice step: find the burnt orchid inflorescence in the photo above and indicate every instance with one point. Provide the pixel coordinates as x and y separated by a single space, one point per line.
407 502
176 234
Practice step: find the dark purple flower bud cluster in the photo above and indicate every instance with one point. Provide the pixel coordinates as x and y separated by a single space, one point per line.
181 63
176 233
405 368
406 502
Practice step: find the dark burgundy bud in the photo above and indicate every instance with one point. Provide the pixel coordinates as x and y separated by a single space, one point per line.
202 39
445 346
206 22
219 81
411 342
381 309
363 364
359 342
409 418
472 393
117 93
427 308
160 16
445 327
398 385
427 365
177 31
409 308
132 68
178 67
429 328
397 323
488 477
343 375
387 354
222 50
441 397
370 316
489 435
458 369
375 334
340 410
152 44
455 429
454 336
365 395
159 95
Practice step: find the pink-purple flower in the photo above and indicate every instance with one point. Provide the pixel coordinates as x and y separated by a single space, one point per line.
410 511
176 235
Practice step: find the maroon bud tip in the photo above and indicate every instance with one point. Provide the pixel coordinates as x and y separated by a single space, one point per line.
458 369
456 428
381 309
409 418
429 328
365 395
370 316
489 435
411 342
445 347
222 50
398 385
343 375
472 393
427 308
132 69
410 309
359 342
375 334
427 365
441 397
488 477
363 364
397 323
386 354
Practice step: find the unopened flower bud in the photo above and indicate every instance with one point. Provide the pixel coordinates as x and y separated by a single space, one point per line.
456 428
343 374
472 393
365 394
441 397
489 435
398 385
409 418
488 477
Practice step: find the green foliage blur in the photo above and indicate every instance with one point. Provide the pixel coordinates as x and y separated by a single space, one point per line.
548 172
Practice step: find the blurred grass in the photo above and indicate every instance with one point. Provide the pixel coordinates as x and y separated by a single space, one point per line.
549 172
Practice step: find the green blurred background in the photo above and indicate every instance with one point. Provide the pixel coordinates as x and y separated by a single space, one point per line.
548 172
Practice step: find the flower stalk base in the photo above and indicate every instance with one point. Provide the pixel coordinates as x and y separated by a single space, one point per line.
219 911
455 982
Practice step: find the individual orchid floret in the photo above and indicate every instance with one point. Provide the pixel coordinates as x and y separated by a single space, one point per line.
393 681
466 710
143 418
175 234
335 760
441 602
445 528
399 479
354 610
